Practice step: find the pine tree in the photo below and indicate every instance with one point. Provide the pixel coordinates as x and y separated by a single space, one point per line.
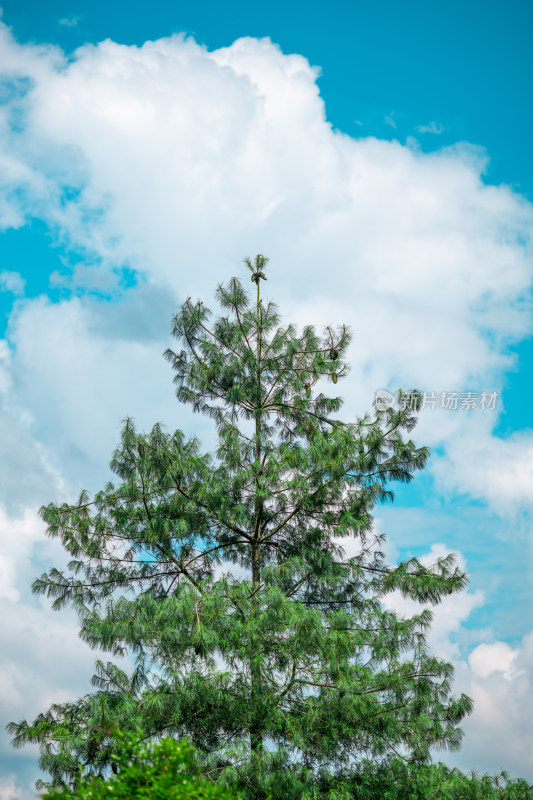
224 576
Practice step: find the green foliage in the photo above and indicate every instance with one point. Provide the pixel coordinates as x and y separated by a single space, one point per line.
166 770
169 770
247 584
397 780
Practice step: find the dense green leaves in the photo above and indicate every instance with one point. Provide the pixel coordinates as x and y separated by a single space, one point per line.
169 770
247 584
166 770
396 780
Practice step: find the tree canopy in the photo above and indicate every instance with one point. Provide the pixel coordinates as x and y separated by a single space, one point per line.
246 585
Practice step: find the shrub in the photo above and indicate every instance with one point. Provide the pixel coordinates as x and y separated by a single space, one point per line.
164 770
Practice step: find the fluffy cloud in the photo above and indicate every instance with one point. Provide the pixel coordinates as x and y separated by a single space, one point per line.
177 161
26 476
32 676
499 734
94 364
16 542
9 788
496 657
488 467
12 282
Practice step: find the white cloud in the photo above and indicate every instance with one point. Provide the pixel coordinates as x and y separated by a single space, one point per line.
94 364
10 788
499 471
31 674
12 282
69 22
27 476
32 677
17 537
499 735
179 161
431 127
496 657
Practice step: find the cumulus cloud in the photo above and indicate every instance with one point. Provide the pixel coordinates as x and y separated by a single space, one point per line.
94 365
27 477
496 657
17 537
490 468
9 788
499 734
177 161
31 674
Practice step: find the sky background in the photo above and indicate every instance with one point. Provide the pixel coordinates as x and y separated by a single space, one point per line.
379 153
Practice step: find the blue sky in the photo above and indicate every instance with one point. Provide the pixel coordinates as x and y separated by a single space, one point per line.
393 191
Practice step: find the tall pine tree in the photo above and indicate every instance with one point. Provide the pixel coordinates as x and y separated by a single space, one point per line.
224 576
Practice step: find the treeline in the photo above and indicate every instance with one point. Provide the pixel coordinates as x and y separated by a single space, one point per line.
169 770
